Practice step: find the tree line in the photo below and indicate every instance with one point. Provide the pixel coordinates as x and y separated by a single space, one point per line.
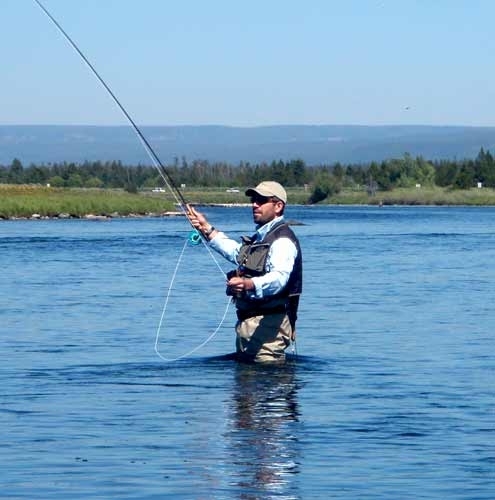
324 180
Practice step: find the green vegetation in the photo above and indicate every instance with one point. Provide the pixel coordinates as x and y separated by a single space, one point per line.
26 200
111 188
18 201
356 196
417 196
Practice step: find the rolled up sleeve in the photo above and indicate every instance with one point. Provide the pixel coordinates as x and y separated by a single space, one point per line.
225 246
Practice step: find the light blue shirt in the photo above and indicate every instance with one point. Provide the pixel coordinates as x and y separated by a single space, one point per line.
279 264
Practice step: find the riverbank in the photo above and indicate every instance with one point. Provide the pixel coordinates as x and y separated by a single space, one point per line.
36 202
417 196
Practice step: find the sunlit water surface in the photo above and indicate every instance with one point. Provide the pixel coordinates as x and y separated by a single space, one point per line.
391 394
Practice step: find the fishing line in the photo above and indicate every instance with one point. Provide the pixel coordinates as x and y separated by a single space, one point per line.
179 260
195 236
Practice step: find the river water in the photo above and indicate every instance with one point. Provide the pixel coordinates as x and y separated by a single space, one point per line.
390 393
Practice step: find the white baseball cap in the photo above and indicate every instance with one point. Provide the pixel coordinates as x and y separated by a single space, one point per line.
267 189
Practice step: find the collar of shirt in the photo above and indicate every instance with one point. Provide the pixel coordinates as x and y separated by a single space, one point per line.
262 231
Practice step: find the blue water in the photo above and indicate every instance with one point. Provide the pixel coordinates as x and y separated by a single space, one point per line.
391 396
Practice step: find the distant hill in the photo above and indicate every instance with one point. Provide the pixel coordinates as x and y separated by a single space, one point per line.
315 144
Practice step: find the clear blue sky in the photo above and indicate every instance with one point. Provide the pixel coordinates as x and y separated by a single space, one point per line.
262 62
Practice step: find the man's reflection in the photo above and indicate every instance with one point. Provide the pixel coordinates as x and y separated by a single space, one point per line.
262 430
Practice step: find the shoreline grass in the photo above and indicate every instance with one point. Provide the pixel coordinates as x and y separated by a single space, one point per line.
419 196
25 201
29 201
399 196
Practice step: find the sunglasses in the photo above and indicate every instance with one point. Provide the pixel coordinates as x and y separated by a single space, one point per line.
261 200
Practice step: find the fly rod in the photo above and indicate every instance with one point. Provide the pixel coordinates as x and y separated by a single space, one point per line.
151 152
195 237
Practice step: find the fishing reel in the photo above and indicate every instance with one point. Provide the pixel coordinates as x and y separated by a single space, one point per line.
195 237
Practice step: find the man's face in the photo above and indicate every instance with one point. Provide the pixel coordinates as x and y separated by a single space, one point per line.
265 209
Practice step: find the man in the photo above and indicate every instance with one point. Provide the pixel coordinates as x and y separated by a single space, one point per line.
267 282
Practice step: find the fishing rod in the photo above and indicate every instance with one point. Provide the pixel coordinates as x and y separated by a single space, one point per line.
179 198
195 237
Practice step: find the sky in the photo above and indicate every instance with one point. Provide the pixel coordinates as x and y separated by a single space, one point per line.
256 63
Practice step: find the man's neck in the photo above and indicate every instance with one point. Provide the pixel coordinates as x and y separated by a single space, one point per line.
263 229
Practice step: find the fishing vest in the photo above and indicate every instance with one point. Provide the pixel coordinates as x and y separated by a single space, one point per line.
252 259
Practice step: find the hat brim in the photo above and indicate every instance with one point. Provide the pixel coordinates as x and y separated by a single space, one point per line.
251 191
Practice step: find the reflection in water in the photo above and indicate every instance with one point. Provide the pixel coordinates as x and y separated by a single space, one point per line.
261 433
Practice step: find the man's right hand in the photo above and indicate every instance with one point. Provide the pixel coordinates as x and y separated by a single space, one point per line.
197 219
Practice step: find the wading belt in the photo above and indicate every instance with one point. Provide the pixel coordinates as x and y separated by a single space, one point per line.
250 313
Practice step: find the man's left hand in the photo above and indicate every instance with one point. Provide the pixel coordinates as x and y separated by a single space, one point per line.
238 285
